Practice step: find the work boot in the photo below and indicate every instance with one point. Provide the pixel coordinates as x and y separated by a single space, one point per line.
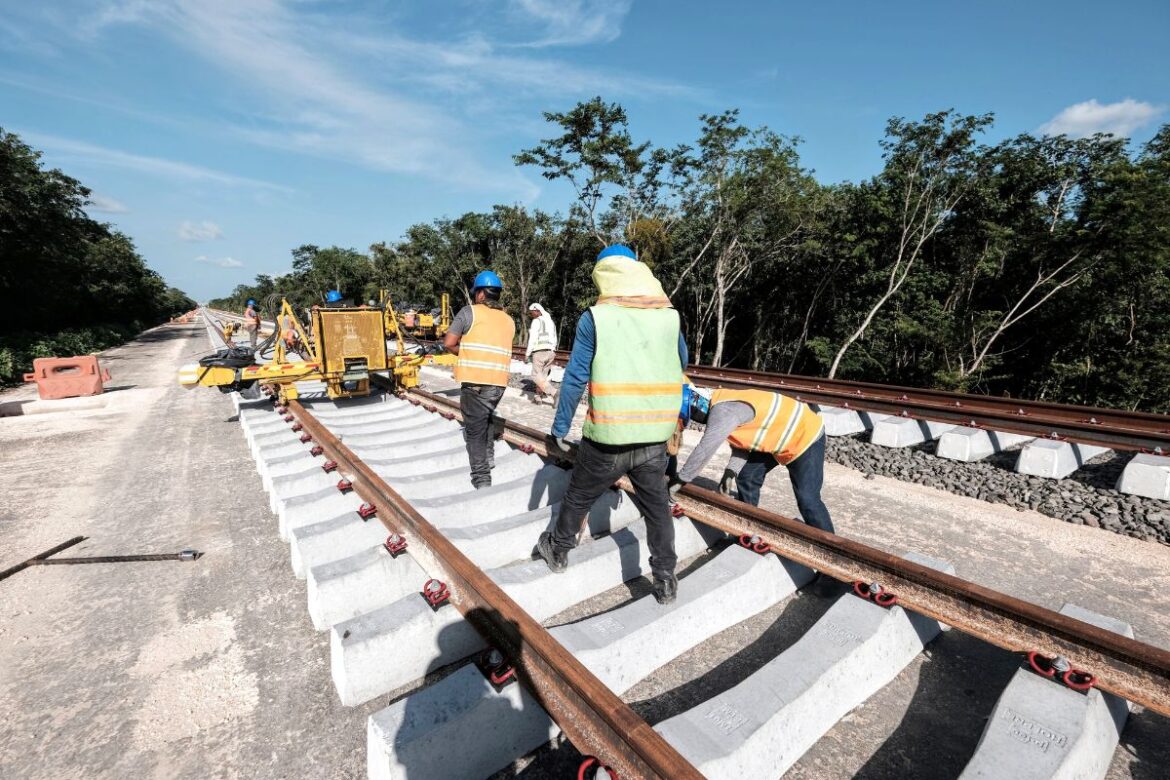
480 484
557 560
825 587
665 589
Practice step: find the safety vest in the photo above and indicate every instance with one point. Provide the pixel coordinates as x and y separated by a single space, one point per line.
635 382
782 426
486 348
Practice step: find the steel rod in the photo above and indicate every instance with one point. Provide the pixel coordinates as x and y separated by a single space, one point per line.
40 557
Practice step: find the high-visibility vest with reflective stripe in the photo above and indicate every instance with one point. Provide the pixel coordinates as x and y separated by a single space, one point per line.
635 382
485 350
782 426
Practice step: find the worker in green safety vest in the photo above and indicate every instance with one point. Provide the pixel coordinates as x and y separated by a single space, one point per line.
630 353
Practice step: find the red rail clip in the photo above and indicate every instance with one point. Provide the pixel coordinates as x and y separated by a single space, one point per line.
329 465
591 761
395 544
306 438
414 401
344 485
367 510
676 511
527 449
447 415
288 418
280 409
297 426
755 544
875 593
430 408
318 450
436 593
1060 669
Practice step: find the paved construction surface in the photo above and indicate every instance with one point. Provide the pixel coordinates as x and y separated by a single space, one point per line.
168 670
213 668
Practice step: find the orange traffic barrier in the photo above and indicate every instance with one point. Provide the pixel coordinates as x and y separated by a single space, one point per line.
67 377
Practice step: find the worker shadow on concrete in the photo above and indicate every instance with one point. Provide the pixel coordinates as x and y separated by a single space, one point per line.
774 631
954 692
463 725
1145 746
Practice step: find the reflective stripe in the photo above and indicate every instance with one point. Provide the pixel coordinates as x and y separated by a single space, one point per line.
619 417
484 347
633 388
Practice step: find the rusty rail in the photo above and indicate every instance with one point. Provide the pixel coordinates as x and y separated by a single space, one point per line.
1131 669
593 717
1113 428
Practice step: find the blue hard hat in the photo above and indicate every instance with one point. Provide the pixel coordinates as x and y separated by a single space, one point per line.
616 250
693 402
332 296
251 302
486 279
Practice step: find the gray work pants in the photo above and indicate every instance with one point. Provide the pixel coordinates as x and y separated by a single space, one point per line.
478 404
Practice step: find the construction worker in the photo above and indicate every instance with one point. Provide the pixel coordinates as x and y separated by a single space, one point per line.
542 343
764 429
252 323
481 335
333 300
630 353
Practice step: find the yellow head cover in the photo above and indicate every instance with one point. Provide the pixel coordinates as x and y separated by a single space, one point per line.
627 282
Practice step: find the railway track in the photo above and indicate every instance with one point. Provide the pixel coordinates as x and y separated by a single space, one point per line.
374 536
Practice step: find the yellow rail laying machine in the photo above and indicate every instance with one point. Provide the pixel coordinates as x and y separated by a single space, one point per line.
343 348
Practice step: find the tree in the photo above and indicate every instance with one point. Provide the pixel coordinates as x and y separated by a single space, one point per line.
930 167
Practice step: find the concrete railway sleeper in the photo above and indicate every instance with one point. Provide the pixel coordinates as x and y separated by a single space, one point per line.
385 636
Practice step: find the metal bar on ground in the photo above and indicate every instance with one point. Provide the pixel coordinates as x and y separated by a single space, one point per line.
33 561
592 716
1131 669
186 555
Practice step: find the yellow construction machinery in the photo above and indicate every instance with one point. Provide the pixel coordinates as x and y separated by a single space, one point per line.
342 349
397 325
416 322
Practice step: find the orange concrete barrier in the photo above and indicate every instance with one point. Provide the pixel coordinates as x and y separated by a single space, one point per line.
67 377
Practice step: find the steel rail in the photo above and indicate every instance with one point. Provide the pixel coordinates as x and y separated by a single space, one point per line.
593 717
1131 669
1119 430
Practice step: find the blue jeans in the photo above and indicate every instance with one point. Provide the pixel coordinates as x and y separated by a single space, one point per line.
807 474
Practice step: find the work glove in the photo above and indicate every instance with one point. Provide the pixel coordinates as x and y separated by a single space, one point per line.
558 445
727 484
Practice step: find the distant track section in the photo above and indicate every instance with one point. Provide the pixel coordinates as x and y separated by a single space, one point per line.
1112 428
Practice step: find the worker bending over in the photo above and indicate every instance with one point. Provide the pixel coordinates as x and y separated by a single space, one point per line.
764 429
251 323
481 335
631 354
542 343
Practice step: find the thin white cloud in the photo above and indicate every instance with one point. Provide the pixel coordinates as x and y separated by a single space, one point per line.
219 262
105 205
199 231
1084 119
81 151
369 97
574 22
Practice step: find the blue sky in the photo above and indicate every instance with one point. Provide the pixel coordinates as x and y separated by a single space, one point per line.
219 134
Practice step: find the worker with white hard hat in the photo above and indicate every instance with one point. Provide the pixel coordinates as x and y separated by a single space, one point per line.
542 343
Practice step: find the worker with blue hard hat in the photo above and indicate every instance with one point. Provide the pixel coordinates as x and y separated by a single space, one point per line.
630 353
252 322
481 335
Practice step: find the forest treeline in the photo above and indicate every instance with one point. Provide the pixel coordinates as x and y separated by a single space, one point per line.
1037 267
69 284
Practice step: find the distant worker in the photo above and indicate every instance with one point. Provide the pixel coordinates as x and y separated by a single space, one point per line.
764 429
630 353
542 343
288 332
252 323
481 335
333 300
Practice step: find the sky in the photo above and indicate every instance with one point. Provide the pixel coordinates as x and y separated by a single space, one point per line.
220 134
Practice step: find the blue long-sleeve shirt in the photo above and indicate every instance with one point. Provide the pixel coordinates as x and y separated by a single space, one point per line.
577 372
